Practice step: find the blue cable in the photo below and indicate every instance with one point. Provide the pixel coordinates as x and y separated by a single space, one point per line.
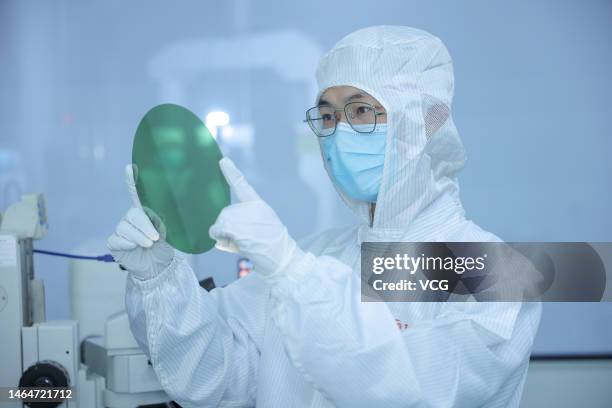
102 258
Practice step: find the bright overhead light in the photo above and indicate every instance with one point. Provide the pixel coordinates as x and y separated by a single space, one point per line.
217 119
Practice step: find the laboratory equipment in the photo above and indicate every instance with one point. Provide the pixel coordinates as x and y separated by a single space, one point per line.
94 353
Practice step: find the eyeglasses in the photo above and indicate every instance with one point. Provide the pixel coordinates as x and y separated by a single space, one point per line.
361 116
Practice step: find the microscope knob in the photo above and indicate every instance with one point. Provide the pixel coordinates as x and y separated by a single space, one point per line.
44 374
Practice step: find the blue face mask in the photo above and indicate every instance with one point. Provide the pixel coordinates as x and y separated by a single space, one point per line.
356 160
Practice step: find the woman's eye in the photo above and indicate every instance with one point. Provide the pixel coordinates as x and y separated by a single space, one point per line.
326 117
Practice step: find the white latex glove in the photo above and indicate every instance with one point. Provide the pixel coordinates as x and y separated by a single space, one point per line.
251 227
136 244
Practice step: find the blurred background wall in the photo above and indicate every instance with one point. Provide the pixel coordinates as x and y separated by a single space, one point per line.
532 104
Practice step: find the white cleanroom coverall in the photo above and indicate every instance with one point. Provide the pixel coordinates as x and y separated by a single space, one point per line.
301 337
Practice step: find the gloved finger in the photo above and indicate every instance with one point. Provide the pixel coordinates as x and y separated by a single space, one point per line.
140 220
133 234
224 239
157 222
218 232
241 188
131 172
117 243
227 245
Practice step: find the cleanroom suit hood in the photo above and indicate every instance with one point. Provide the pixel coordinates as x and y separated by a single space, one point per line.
410 73
302 337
